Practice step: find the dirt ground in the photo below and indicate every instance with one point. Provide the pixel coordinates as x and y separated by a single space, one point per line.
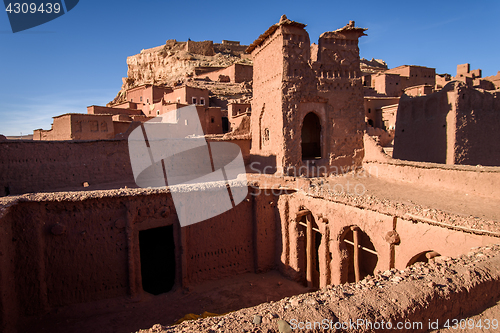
129 315
486 321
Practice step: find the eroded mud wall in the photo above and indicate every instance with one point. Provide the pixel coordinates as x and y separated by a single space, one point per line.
78 247
31 166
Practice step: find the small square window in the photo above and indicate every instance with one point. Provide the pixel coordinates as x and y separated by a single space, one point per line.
94 126
194 100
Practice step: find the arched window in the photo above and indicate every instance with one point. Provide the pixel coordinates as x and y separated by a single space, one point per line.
311 137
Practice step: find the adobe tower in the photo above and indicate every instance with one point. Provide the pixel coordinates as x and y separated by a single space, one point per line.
307 107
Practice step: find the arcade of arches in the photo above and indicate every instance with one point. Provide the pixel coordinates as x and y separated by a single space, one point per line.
325 243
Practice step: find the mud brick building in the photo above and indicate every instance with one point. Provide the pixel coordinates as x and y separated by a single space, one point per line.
307 106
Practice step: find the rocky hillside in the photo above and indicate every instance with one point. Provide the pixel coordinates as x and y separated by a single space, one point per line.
177 63
372 66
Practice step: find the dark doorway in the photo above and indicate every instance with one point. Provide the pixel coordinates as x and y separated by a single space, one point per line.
157 259
367 255
7 190
422 257
309 259
225 125
311 137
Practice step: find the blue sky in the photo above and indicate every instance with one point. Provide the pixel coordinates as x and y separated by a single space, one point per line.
79 59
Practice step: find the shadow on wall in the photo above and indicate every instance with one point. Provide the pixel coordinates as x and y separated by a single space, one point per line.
262 164
421 131
424 257
359 257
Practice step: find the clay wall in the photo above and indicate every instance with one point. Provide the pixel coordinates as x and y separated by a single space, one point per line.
121 117
461 178
373 108
77 126
235 109
152 110
400 70
442 80
417 237
186 94
244 145
92 127
141 118
236 73
170 107
334 219
243 73
126 105
420 90
61 130
495 79
456 125
96 235
417 299
463 70
389 113
121 127
159 92
477 139
236 121
266 119
483 84
414 75
476 73
203 48
46 166
341 87
423 132
231 47
85 247
201 70
287 88
388 84
94 109
34 166
147 94
142 94
421 75
210 119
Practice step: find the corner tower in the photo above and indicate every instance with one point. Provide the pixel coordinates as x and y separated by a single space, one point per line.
307 109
